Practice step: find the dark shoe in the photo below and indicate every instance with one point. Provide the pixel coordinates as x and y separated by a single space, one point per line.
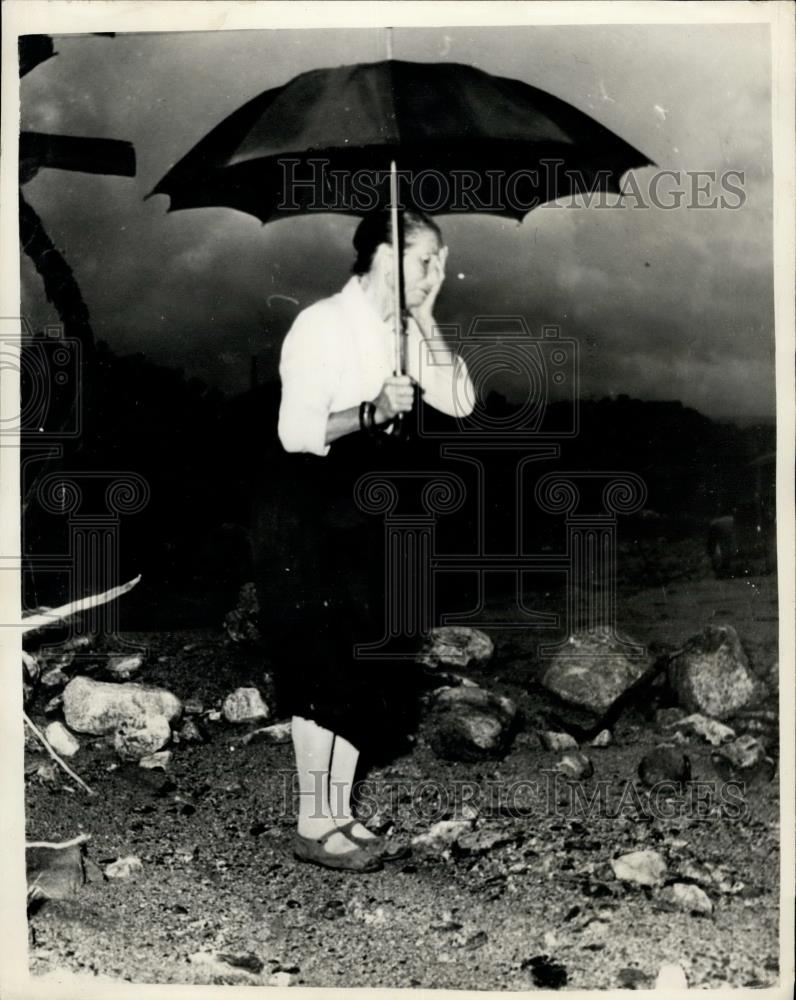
314 852
380 847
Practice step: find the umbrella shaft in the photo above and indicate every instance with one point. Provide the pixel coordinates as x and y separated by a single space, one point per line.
399 363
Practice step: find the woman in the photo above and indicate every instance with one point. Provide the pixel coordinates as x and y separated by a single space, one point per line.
340 402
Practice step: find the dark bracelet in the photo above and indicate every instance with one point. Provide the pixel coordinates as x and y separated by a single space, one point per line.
367 414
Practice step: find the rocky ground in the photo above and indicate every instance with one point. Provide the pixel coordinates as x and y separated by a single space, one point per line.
526 892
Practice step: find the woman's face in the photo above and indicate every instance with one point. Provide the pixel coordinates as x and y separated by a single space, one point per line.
421 253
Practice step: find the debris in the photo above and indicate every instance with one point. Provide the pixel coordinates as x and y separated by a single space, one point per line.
124 868
122 668
279 732
711 730
575 766
475 941
193 706
245 705
61 740
456 646
140 738
100 707
54 705
54 677
55 757
156 761
191 732
640 867
470 724
711 675
558 741
687 897
667 717
545 973
744 758
55 870
246 960
241 623
664 765
481 841
671 977
441 836
603 739
594 668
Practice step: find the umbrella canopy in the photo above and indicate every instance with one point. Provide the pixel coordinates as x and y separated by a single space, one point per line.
442 122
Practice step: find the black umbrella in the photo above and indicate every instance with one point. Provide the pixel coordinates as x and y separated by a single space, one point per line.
332 139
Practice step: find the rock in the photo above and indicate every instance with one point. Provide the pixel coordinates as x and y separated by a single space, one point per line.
222 968
593 669
99 707
558 741
191 732
193 706
122 668
712 674
158 761
279 732
140 738
671 977
744 759
575 766
456 646
241 624
470 724
441 836
664 765
54 677
640 867
634 979
711 730
124 868
244 705
61 740
54 705
282 979
603 739
687 897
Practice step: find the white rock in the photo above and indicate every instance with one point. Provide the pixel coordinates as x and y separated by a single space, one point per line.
575 766
441 835
141 738
158 761
100 708
593 669
281 979
61 740
122 668
712 675
603 739
245 705
558 741
124 867
640 867
688 897
711 730
279 732
671 977
456 646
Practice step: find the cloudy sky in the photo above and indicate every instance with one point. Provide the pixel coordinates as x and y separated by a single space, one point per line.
671 304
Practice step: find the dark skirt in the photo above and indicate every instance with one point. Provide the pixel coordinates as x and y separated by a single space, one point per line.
321 586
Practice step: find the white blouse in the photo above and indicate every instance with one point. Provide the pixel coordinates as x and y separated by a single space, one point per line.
339 351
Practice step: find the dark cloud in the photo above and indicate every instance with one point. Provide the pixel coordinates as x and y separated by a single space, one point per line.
664 304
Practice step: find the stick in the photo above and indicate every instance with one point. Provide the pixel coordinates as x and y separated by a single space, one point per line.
79 839
56 758
55 615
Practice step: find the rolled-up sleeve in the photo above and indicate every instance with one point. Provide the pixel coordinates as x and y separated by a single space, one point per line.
441 373
309 376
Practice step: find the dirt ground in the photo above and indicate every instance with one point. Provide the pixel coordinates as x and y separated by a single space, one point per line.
539 907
